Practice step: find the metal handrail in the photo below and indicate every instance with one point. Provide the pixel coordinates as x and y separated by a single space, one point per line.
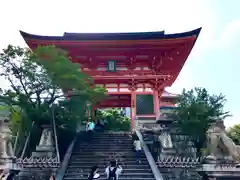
26 142
15 143
61 170
149 157
55 134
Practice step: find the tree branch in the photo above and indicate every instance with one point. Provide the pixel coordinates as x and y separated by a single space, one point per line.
19 76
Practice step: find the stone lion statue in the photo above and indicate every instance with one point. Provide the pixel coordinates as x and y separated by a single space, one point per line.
220 145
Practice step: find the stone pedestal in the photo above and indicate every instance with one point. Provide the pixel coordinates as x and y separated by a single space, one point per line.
45 147
5 151
43 160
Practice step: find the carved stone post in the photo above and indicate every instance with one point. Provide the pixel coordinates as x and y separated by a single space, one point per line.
45 147
166 143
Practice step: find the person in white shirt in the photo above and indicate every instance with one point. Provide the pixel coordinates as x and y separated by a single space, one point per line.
113 171
138 149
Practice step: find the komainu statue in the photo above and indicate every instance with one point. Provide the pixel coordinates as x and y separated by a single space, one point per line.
220 146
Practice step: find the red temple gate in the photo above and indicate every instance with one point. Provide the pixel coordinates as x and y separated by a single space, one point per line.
133 67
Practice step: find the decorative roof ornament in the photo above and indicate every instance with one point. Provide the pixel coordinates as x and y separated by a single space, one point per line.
168 94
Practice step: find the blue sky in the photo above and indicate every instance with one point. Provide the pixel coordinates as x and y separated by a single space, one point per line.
214 62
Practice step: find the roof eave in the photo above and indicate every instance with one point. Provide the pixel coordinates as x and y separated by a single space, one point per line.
104 36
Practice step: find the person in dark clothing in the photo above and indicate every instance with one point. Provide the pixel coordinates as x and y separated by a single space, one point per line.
12 173
52 176
94 173
1 173
113 171
156 149
100 125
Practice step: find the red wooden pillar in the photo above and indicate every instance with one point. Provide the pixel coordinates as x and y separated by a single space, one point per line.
133 110
156 103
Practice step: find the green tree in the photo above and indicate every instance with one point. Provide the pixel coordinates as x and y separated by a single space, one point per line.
234 133
114 120
196 111
39 80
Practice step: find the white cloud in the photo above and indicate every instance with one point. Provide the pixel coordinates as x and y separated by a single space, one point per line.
230 31
231 121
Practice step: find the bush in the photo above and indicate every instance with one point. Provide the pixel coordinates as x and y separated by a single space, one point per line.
114 120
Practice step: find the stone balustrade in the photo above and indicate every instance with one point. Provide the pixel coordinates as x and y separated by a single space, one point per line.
220 168
37 162
175 161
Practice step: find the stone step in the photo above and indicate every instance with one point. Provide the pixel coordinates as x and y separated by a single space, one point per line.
100 158
123 175
92 152
127 170
106 141
104 154
99 135
132 173
104 178
112 146
84 178
104 163
106 138
116 150
109 136
106 144
125 166
114 132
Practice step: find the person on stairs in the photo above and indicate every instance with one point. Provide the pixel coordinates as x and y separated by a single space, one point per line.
100 125
90 126
1 173
138 148
94 173
12 173
52 176
113 171
89 129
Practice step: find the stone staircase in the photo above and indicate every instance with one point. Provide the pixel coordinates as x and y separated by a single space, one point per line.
102 148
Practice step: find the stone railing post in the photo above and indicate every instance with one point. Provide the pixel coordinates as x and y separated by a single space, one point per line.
45 147
5 147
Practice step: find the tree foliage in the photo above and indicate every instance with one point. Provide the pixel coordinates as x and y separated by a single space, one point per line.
234 133
114 120
39 81
196 111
